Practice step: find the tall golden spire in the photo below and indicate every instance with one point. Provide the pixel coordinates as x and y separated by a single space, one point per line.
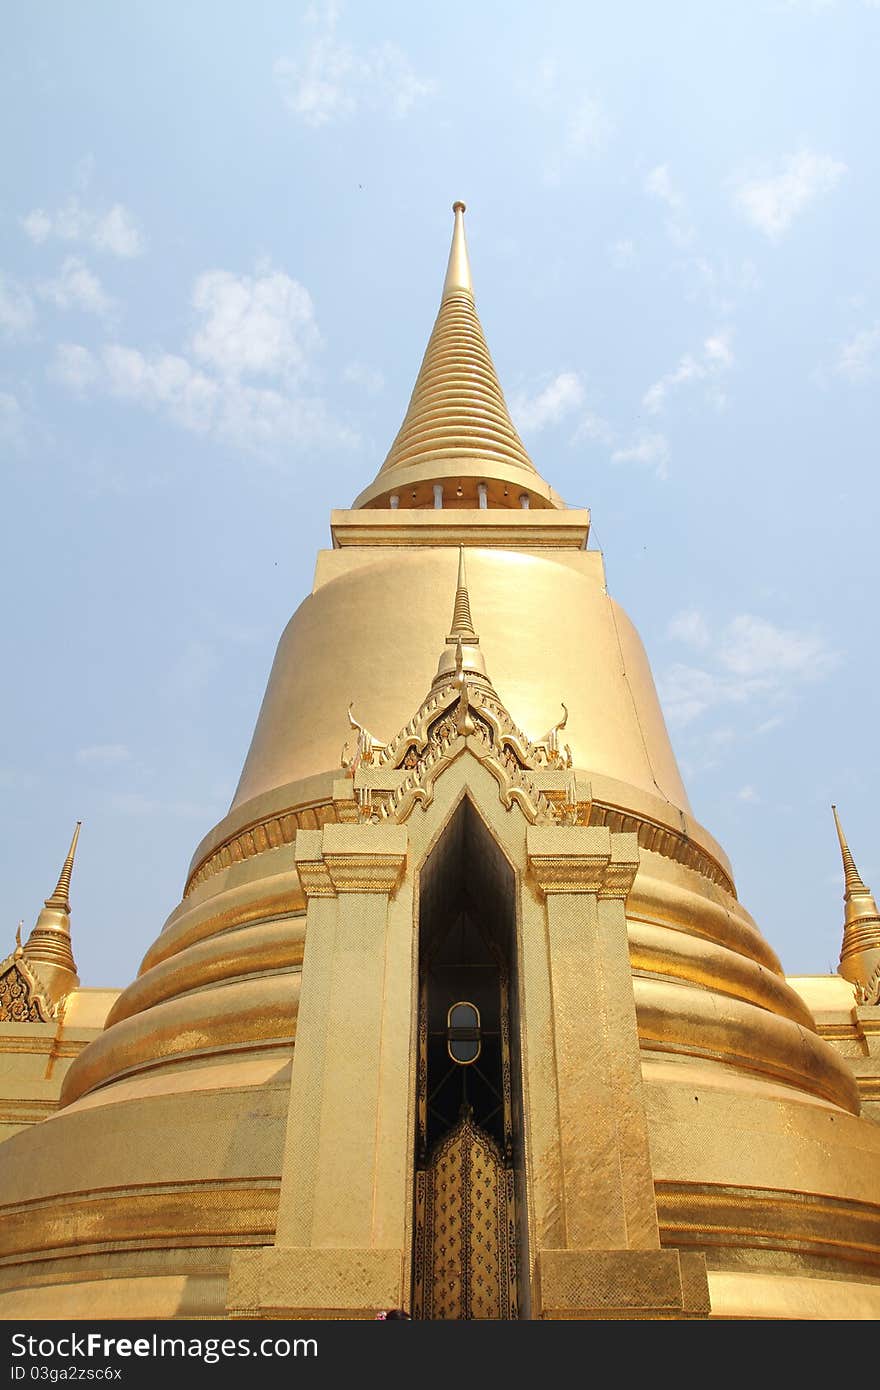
457 442
49 942
462 651
860 953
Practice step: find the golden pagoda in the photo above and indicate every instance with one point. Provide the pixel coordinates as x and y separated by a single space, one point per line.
454 1014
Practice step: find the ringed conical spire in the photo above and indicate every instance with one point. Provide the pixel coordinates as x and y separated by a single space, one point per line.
49 942
462 651
462 624
457 445
61 897
860 953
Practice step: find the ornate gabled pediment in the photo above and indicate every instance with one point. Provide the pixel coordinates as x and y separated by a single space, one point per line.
21 998
463 714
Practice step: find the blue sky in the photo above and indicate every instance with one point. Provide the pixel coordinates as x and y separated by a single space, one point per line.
222 240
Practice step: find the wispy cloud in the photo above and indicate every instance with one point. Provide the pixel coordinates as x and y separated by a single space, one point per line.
17 315
248 327
12 424
562 395
577 122
332 81
369 379
622 253
689 627
113 230
749 660
650 450
137 804
77 287
708 367
771 202
659 185
103 754
859 359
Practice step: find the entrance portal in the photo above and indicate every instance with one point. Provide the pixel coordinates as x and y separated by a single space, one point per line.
467 1102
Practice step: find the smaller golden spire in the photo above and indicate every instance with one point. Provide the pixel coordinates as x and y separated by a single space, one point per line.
458 272
860 953
49 942
18 947
461 658
61 897
462 626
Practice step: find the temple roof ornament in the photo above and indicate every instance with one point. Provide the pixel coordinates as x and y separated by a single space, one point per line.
860 952
463 711
457 428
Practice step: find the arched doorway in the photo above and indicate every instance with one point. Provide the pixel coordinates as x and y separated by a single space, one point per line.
468 1130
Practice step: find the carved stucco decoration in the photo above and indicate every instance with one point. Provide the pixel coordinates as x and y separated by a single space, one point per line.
390 779
21 998
868 993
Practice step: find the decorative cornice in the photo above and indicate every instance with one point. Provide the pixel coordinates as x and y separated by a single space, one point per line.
362 858
271 832
582 859
486 529
282 827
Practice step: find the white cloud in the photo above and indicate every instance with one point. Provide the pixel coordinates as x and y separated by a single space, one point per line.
117 233
585 129
650 450
114 230
162 381
660 186
622 253
594 428
105 754
773 202
77 287
689 627
16 308
559 398
249 326
332 81
715 359
257 419
370 379
750 659
859 359
11 421
752 646
261 325
748 793
75 367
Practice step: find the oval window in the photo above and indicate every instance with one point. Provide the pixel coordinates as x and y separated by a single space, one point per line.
463 1033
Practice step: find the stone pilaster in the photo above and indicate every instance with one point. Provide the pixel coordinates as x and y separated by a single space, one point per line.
340 1238
611 1263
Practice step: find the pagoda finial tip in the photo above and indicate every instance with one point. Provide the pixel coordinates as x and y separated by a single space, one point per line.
458 272
459 206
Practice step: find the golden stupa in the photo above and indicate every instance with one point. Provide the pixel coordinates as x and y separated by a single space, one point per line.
454 1014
